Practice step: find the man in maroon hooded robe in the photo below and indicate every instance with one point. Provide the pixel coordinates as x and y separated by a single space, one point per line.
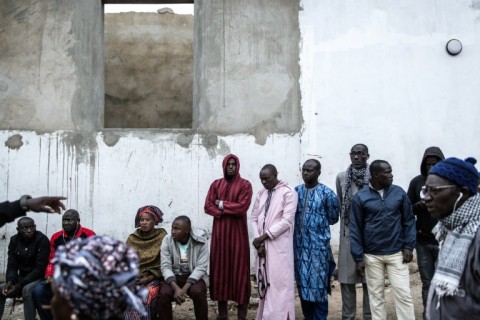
228 200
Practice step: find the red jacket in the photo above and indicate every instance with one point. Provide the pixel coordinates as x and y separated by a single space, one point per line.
59 239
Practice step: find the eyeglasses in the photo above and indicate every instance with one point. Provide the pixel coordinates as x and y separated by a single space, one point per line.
357 153
263 283
27 227
434 190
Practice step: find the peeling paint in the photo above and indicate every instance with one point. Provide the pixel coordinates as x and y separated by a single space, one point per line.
224 148
83 145
184 140
14 142
110 138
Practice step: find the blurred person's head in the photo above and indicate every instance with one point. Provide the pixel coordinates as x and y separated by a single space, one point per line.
95 278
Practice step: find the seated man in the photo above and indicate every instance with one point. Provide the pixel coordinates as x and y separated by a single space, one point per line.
71 229
28 253
184 264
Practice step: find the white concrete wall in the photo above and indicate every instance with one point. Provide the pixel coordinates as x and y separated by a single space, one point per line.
108 184
377 72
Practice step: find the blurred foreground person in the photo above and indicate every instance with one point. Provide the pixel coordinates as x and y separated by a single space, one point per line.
95 278
450 193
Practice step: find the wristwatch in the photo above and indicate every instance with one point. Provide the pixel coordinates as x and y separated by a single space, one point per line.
23 202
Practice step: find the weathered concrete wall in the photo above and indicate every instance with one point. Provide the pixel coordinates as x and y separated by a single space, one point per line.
148 70
51 65
54 50
246 67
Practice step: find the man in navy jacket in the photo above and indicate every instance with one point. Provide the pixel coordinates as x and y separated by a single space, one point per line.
382 238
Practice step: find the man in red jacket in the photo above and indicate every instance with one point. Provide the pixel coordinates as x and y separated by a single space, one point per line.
71 229
228 200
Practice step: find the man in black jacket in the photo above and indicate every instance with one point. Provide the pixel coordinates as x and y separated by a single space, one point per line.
28 253
427 245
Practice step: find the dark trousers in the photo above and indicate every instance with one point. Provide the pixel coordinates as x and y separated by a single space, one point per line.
427 255
242 310
349 301
314 310
42 295
197 292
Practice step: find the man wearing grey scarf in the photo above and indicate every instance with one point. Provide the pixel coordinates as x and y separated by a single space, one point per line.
450 194
348 183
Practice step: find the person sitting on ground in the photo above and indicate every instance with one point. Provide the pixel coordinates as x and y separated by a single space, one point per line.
184 264
42 294
28 253
9 211
147 241
96 279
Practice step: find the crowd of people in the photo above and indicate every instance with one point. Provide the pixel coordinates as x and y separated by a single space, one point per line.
79 275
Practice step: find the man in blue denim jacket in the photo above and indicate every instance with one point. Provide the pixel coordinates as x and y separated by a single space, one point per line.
382 238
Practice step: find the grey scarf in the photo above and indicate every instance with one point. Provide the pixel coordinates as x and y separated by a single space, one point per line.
360 177
455 234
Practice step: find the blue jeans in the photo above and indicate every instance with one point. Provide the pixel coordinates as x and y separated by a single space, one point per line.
42 295
427 255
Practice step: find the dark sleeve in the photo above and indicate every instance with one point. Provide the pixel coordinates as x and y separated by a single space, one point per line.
9 211
241 206
41 261
356 229
12 264
408 224
333 208
210 207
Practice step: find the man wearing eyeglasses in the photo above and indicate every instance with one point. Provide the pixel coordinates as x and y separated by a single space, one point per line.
450 194
71 229
427 245
348 183
28 253
382 238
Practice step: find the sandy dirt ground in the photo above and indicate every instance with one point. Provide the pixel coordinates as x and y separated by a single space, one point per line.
185 311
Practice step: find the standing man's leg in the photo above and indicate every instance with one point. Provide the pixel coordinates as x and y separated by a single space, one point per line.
349 301
198 293
28 306
222 310
399 277
375 275
367 315
242 309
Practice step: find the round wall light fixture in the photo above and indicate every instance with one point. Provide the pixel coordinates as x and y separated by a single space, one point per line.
454 47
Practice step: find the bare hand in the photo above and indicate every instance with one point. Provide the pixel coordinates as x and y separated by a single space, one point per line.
11 290
179 295
407 255
261 252
257 242
46 204
360 267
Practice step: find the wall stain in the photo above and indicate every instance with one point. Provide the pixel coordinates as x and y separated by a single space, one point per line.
14 142
110 138
184 140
